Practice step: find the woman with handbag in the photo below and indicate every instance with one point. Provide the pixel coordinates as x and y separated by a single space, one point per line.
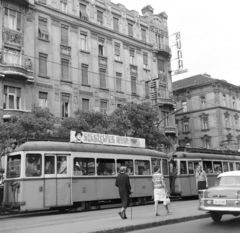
160 190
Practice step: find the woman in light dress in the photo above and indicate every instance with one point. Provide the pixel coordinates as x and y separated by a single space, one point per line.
160 190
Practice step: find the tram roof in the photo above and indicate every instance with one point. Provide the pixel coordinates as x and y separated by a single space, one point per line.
82 147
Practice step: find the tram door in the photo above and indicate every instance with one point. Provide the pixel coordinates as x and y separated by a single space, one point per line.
57 182
191 171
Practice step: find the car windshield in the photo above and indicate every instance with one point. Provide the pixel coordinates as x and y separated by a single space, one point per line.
228 180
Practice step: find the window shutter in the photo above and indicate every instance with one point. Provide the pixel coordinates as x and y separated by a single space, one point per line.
133 85
43 95
102 79
145 58
85 75
64 35
130 29
85 104
117 49
99 16
115 24
65 70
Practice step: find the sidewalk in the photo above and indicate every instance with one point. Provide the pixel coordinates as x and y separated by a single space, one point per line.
104 221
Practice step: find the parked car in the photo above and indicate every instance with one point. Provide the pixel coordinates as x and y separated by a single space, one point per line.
223 198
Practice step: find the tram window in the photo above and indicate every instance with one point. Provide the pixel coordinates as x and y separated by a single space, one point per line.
237 166
33 165
13 166
126 163
156 162
207 166
164 167
217 165
106 167
225 166
191 168
142 167
62 164
231 166
183 167
49 165
84 166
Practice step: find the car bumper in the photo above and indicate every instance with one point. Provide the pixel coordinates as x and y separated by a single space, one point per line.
219 208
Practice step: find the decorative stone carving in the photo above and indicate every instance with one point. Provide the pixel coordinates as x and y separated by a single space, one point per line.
29 15
28 64
12 37
65 50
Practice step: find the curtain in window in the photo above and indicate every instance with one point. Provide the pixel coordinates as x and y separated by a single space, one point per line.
83 11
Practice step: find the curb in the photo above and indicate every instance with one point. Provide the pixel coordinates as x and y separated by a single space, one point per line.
152 224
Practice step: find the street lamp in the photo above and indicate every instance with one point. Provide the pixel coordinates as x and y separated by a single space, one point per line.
172 113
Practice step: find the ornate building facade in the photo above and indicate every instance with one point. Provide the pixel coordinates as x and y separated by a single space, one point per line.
87 54
210 115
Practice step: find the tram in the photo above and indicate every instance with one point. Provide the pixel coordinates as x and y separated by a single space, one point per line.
185 160
61 175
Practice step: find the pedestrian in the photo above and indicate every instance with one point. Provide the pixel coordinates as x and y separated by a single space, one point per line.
160 190
172 176
124 188
201 178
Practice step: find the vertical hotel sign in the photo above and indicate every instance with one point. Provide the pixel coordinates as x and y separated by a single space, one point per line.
106 139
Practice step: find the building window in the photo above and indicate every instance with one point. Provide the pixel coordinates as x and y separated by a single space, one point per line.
65 105
64 7
100 47
224 100
134 85
147 90
117 51
160 65
84 74
227 120
130 30
185 126
203 102
12 56
102 74
43 99
145 60
64 35
65 69
42 29
83 12
85 104
103 106
100 18
234 102
144 38
132 57
165 118
163 92
205 123
184 106
12 98
115 24
43 64
83 38
12 19
119 82
43 1
159 40
206 141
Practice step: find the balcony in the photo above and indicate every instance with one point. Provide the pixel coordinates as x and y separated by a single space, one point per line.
133 70
102 61
162 49
65 50
170 130
165 98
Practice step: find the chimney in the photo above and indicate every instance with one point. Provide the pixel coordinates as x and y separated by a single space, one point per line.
147 11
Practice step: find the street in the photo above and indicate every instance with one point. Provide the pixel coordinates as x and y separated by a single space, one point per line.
228 224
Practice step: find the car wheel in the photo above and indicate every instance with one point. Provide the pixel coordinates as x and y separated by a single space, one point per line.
216 217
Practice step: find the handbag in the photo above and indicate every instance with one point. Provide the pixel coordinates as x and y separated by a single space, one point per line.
167 201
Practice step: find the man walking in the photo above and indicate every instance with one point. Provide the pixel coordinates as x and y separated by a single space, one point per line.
124 188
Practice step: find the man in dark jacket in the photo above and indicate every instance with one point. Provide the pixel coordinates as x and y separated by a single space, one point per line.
124 188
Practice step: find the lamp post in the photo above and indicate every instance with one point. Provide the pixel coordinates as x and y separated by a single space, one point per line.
172 113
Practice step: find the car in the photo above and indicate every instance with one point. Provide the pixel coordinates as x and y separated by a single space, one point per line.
223 197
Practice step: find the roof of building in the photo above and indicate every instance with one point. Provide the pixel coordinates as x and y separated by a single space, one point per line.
192 81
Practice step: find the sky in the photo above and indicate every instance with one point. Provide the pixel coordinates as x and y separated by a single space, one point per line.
210 34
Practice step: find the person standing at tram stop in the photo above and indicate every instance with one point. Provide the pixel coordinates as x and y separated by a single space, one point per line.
160 190
124 188
201 178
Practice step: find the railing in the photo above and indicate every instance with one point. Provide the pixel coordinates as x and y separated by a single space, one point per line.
162 48
102 61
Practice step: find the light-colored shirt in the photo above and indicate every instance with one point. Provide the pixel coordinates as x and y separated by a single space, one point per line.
201 176
63 168
158 180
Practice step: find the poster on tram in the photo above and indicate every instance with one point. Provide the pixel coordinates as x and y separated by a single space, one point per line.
106 139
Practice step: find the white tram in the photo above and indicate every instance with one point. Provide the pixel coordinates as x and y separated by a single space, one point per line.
60 175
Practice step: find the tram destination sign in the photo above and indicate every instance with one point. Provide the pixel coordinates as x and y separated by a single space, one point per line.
106 139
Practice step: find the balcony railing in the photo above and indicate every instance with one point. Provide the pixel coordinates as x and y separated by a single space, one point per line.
170 129
102 61
162 48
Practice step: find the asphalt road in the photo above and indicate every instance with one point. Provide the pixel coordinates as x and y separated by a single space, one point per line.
228 224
